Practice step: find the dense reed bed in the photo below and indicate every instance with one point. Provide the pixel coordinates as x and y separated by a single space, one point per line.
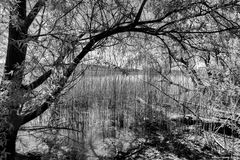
107 105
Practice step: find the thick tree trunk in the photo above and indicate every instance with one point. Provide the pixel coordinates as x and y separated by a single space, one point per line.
13 74
11 138
8 150
16 50
10 99
8 135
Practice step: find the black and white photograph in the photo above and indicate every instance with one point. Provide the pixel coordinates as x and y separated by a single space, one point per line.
119 79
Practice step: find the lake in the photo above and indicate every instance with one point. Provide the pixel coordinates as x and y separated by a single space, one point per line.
100 109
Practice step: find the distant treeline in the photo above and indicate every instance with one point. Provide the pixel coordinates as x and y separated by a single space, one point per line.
100 70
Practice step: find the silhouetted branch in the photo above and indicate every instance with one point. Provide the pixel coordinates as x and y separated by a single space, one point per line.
33 13
39 81
38 111
138 16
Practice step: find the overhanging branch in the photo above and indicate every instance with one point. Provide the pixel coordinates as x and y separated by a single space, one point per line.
136 26
67 73
138 16
34 12
38 111
39 81
42 108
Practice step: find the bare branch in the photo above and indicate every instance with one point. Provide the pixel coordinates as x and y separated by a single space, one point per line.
139 12
33 13
136 26
39 81
38 111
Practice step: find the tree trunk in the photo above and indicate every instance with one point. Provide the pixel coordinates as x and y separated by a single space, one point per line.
10 99
8 135
17 48
13 76
11 138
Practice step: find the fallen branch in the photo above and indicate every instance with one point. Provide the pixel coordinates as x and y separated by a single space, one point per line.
212 125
